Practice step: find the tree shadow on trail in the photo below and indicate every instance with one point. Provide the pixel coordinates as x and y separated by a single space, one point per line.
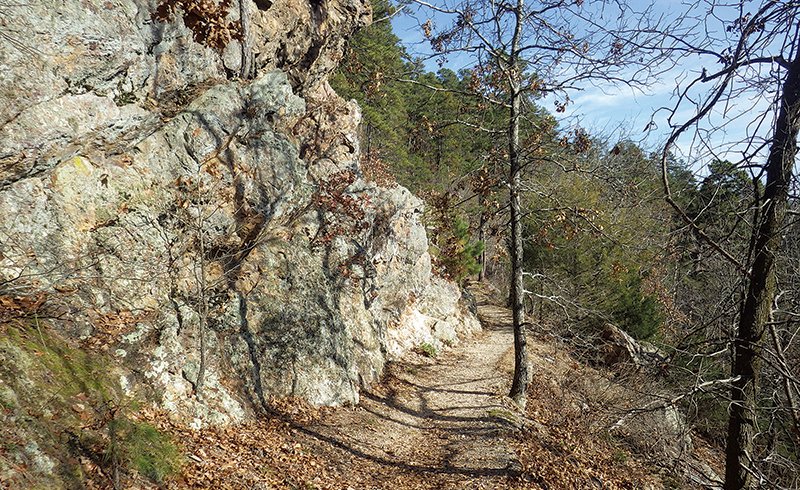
440 430
440 469
408 406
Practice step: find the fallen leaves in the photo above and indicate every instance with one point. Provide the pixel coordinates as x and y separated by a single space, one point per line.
109 327
303 447
21 306
261 454
562 449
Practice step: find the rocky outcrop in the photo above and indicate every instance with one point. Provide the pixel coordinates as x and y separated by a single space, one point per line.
618 348
95 77
214 234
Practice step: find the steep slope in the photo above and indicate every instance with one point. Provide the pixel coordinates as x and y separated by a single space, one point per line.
207 238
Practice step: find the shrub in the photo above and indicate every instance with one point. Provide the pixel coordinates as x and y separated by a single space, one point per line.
457 254
427 350
637 313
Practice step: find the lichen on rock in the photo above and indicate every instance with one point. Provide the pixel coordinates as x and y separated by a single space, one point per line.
216 233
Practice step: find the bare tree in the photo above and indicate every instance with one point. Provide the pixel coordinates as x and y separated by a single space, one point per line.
521 50
759 57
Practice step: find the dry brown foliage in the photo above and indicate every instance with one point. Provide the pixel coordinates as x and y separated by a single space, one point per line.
262 454
207 19
376 170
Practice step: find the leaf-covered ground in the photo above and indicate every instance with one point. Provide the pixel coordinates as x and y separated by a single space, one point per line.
433 423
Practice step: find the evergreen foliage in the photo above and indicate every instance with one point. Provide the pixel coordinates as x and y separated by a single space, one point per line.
636 312
421 133
585 235
587 203
368 73
456 252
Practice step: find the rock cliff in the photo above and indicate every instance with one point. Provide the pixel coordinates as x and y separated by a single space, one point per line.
180 189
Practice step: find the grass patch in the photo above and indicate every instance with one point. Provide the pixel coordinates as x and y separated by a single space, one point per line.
69 402
427 350
620 456
45 373
143 448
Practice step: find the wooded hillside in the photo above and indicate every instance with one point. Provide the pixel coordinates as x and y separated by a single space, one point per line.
602 247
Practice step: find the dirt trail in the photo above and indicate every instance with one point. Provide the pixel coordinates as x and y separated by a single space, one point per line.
436 424
439 424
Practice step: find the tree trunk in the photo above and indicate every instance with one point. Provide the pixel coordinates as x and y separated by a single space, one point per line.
757 304
482 239
520 383
246 70
368 139
202 290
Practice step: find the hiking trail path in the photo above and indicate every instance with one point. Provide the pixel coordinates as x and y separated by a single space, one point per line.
434 423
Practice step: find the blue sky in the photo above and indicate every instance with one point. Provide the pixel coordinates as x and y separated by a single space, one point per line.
607 110
622 112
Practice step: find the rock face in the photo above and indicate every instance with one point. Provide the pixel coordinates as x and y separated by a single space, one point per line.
618 348
213 233
97 76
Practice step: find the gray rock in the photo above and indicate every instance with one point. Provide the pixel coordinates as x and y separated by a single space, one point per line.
86 77
140 179
619 348
39 461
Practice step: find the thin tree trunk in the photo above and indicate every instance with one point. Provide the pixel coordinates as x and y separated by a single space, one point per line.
246 70
368 138
114 449
756 308
482 239
788 388
203 309
520 383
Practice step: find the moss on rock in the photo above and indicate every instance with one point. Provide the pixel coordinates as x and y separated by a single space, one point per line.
64 418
